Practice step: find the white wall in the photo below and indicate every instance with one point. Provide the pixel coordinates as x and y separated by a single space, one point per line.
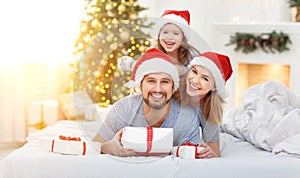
205 13
289 58
201 17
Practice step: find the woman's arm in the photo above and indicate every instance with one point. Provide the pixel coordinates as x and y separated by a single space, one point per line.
215 146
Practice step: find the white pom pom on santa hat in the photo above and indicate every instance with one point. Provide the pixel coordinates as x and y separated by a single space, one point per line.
153 61
179 18
220 67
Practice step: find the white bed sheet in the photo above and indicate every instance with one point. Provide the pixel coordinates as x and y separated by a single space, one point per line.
239 159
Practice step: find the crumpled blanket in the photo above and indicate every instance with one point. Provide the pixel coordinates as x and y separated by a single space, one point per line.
269 118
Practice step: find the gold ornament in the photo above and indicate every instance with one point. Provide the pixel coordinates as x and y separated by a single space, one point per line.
94 23
110 14
129 3
142 49
108 7
113 46
121 8
132 16
116 74
114 21
115 4
124 36
109 37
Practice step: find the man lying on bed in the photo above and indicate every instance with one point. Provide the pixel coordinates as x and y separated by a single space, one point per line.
157 79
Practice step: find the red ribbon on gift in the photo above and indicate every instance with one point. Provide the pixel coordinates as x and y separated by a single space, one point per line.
61 137
149 139
187 144
149 145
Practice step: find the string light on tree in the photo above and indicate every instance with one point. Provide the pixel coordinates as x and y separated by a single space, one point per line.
109 30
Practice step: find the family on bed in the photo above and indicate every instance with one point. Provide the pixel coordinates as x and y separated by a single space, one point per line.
179 88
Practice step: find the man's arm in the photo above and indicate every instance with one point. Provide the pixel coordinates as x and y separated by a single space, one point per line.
98 138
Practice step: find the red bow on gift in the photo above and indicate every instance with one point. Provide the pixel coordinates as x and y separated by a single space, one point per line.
69 138
188 143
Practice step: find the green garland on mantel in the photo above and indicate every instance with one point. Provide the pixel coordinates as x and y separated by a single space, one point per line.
268 42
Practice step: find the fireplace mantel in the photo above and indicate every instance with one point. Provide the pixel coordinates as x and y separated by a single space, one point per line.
286 27
223 31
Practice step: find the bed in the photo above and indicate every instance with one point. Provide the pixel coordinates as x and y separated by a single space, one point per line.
244 153
239 159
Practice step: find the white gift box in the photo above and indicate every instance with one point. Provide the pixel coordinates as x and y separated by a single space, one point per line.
90 111
186 151
73 104
148 140
95 112
70 146
43 110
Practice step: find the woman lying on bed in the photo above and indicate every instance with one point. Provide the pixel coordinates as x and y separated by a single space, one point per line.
204 90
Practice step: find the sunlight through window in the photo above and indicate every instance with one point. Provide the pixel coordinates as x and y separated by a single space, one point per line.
39 31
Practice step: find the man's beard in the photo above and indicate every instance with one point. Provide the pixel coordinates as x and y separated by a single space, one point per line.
156 106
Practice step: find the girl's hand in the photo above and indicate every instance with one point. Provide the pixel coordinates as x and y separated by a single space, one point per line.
126 63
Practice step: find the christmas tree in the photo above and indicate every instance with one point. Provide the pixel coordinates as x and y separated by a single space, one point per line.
109 30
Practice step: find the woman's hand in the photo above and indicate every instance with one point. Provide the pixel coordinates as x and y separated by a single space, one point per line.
206 152
114 147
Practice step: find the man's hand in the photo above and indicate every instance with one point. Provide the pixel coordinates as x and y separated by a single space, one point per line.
114 147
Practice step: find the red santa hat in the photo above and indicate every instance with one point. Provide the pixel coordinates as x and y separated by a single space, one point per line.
153 61
220 67
179 18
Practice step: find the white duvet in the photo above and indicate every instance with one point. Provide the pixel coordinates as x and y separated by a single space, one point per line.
269 118
239 159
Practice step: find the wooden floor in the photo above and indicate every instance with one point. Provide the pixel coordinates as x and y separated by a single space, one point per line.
7 148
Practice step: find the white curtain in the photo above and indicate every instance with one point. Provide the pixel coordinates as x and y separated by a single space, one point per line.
21 84
12 110
35 36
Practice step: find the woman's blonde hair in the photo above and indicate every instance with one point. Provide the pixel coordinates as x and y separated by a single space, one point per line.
212 107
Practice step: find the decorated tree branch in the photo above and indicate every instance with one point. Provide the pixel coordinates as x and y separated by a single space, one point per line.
268 42
108 30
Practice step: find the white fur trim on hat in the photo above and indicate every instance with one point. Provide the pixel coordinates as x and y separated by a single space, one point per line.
175 19
215 71
155 65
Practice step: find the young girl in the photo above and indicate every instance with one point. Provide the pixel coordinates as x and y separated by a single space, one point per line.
173 32
204 90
